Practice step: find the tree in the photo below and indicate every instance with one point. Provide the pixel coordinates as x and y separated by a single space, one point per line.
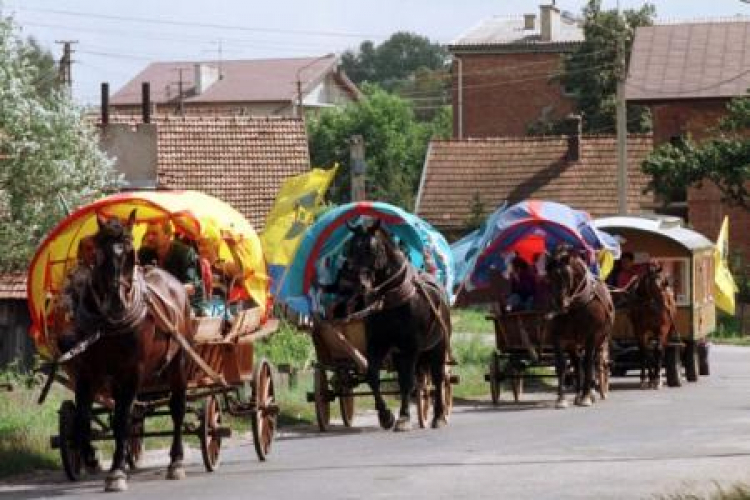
47 80
395 145
48 151
591 72
723 160
477 213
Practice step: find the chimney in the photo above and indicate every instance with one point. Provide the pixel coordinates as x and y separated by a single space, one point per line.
529 21
205 76
574 125
105 104
146 102
550 22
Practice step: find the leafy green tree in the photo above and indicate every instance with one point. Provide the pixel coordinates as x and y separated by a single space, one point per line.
395 145
723 160
48 151
591 72
47 81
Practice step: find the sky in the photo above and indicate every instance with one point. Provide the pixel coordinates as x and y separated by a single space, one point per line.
116 39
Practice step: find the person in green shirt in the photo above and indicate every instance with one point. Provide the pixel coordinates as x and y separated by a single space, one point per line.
162 249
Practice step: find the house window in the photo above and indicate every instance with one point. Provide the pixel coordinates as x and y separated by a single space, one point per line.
677 271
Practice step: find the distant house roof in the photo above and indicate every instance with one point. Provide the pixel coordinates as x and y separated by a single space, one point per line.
260 80
514 169
13 286
510 32
690 60
242 160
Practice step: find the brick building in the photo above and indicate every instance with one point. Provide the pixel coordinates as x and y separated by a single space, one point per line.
503 73
580 171
687 73
263 87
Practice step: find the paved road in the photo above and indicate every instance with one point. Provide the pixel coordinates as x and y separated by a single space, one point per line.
637 444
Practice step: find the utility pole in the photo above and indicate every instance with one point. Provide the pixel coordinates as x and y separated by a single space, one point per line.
358 167
180 91
622 125
65 73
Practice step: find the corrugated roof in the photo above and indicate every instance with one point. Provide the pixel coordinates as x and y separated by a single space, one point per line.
241 159
690 60
260 80
13 286
686 238
503 30
515 169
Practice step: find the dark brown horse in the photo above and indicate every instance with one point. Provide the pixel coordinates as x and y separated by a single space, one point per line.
408 317
580 324
652 311
133 349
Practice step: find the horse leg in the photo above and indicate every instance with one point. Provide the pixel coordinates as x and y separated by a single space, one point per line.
585 397
643 355
406 368
82 425
437 369
124 397
658 357
560 371
177 405
376 355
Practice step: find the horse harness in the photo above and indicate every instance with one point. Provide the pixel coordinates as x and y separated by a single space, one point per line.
588 289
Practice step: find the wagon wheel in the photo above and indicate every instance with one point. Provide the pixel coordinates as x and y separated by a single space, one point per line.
423 398
671 359
346 405
447 392
135 443
691 361
322 402
704 366
265 414
71 457
210 422
494 379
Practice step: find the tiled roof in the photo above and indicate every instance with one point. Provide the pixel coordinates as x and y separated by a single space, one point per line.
259 80
12 286
691 60
515 169
241 160
506 30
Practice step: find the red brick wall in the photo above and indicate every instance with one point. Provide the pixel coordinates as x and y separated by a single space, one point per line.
503 93
705 209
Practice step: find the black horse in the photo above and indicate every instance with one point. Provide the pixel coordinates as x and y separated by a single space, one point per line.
132 346
580 324
408 317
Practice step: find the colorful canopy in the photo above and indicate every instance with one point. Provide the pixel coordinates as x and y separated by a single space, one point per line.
527 228
192 214
321 248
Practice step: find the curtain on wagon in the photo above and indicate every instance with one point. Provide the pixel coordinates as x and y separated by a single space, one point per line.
527 228
322 246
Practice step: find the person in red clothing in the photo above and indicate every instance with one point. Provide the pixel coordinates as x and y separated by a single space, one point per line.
628 271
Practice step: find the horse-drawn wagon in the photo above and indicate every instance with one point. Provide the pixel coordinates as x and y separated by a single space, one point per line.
339 314
686 259
520 239
140 317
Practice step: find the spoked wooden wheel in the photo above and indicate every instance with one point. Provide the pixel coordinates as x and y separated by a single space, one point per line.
346 405
71 457
495 379
135 443
424 400
210 423
266 412
322 402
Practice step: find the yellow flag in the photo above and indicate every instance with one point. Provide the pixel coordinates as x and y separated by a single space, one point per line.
293 212
724 285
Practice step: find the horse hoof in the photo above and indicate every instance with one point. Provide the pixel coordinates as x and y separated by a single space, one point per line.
645 385
585 401
656 384
176 471
439 423
116 481
402 425
386 419
561 404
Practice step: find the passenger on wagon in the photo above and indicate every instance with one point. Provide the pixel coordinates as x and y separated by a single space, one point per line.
223 279
627 272
161 248
522 286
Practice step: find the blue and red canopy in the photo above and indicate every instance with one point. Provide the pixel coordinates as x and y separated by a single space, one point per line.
320 250
526 229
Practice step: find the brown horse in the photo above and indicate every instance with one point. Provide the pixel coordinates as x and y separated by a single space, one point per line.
409 317
131 348
580 324
652 311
